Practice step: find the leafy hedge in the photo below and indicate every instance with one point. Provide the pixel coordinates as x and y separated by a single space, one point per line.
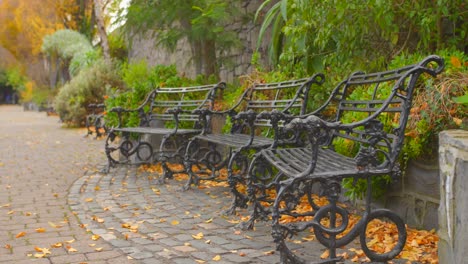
139 80
89 86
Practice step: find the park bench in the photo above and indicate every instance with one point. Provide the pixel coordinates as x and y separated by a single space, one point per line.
247 133
167 113
370 115
95 120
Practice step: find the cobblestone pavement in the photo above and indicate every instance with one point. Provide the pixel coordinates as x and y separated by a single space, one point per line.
39 161
49 182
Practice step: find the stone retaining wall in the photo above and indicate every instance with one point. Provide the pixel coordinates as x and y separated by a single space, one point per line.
453 210
234 63
415 197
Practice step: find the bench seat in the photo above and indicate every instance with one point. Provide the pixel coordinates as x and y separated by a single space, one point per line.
156 130
292 161
236 140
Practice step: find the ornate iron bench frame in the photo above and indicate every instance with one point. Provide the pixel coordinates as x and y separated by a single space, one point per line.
96 119
165 112
293 172
289 97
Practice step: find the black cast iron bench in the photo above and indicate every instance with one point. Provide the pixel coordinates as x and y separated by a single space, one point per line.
95 120
248 133
371 113
167 113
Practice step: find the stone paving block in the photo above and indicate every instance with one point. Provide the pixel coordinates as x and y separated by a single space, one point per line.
68 258
236 258
184 249
184 261
33 261
153 248
170 242
142 241
167 254
152 261
120 243
103 255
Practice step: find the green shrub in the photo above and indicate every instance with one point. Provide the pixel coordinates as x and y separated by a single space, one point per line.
434 109
139 80
89 86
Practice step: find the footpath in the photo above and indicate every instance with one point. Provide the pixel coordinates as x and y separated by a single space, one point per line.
56 207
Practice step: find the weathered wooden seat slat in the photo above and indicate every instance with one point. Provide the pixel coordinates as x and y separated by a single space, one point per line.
169 112
361 140
249 132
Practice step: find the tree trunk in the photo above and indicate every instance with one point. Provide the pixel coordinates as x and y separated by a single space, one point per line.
101 29
209 58
197 56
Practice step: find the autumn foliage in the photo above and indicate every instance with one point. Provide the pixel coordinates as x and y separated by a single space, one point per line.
26 22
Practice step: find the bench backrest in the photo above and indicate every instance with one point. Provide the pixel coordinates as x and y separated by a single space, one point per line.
289 97
371 100
183 99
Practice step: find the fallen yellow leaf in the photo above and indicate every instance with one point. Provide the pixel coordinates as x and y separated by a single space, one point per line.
70 249
325 254
95 237
98 249
88 200
54 225
175 222
39 255
40 230
97 219
7 246
198 236
57 245
455 62
217 258
20 234
70 241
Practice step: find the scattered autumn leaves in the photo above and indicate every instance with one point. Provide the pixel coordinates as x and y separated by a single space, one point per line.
42 252
421 245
